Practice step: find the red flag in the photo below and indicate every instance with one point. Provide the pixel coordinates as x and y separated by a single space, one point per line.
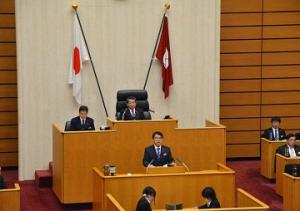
163 54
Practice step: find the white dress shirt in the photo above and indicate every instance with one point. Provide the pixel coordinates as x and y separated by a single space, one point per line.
292 152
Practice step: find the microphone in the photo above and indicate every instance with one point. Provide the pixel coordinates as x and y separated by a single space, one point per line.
124 113
184 165
149 165
159 115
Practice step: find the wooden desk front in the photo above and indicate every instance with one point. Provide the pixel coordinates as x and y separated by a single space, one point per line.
182 187
291 193
10 198
267 163
245 202
76 153
281 161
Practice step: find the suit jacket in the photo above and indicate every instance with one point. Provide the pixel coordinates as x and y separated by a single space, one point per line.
143 205
269 132
284 150
76 124
213 204
2 183
150 154
126 115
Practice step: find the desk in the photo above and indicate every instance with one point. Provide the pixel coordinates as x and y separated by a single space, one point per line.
281 161
291 192
245 202
76 153
10 198
180 187
267 163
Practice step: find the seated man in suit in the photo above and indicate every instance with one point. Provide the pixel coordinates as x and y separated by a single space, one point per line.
274 133
132 112
144 204
290 149
158 154
210 197
82 122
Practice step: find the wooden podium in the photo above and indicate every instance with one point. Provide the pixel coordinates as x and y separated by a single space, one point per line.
76 153
174 187
281 161
268 150
165 170
291 192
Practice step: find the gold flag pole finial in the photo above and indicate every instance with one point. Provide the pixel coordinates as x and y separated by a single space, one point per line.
75 6
167 7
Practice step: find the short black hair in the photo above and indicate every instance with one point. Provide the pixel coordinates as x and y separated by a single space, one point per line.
157 133
83 108
209 193
149 191
288 136
130 98
276 119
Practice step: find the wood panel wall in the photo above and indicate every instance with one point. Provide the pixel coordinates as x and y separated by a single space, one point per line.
8 86
260 70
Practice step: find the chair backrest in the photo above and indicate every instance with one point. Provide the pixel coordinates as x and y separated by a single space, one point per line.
297 135
141 101
292 169
68 126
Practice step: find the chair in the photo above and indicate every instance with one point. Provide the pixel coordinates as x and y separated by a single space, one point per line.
141 101
68 126
292 169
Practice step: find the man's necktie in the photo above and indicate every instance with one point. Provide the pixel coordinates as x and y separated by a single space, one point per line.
132 113
158 153
276 134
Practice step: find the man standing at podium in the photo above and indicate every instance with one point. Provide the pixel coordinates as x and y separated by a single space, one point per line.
132 112
274 133
82 122
158 154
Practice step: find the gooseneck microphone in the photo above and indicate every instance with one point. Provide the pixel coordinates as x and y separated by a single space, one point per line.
123 115
150 163
183 163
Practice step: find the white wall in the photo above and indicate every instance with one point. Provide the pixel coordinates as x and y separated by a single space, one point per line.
121 35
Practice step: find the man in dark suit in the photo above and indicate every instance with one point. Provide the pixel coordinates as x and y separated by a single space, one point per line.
132 112
82 122
157 154
290 149
274 133
210 197
144 204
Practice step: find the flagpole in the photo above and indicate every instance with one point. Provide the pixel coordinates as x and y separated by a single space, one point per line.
75 6
167 7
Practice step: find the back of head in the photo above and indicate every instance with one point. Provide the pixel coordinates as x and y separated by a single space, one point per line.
149 191
209 193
